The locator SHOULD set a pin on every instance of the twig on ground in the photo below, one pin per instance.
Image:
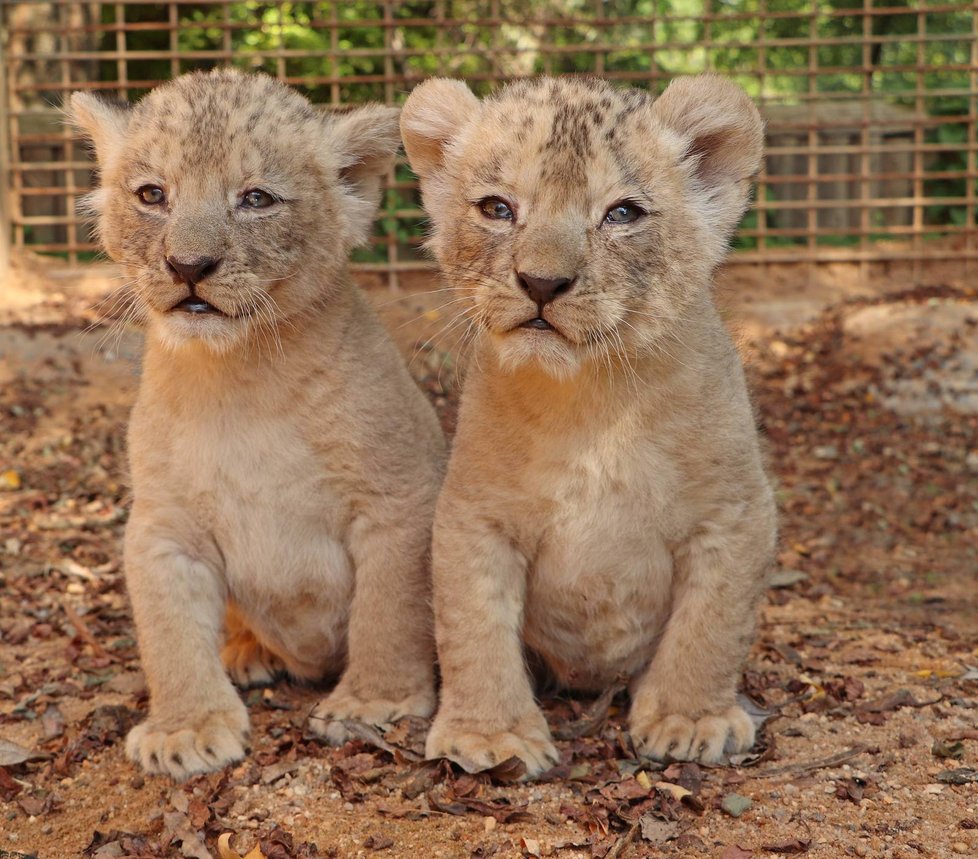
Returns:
(85, 633)
(811, 766)
(626, 838)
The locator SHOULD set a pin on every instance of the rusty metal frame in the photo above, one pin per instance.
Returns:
(860, 164)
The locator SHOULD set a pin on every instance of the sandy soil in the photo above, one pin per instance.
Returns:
(866, 380)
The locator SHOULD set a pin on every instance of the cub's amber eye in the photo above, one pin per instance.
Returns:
(496, 209)
(623, 213)
(257, 199)
(151, 195)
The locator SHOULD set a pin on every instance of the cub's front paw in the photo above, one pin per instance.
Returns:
(676, 737)
(203, 745)
(327, 718)
(474, 749)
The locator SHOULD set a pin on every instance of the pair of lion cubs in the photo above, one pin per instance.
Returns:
(604, 505)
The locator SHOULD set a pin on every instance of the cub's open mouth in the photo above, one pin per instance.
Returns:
(538, 323)
(195, 304)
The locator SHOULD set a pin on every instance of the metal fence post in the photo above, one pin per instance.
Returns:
(5, 182)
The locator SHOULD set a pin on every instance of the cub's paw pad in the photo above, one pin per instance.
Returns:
(474, 750)
(328, 716)
(209, 744)
(248, 662)
(704, 740)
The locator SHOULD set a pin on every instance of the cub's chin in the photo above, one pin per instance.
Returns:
(209, 327)
(526, 347)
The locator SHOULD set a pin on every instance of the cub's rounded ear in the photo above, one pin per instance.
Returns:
(103, 121)
(723, 136)
(364, 141)
(432, 116)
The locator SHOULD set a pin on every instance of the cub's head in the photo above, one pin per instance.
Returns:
(586, 220)
(230, 201)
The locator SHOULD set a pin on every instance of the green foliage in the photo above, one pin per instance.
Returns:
(341, 52)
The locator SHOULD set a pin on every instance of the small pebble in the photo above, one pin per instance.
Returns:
(959, 847)
(735, 805)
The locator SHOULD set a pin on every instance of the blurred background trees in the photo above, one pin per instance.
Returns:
(881, 96)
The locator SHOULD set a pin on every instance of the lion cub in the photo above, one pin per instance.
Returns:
(284, 464)
(605, 504)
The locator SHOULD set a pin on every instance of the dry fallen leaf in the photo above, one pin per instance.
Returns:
(176, 826)
(10, 480)
(376, 842)
(785, 578)
(52, 722)
(34, 806)
(9, 786)
(224, 850)
(657, 831)
(676, 791)
(12, 753)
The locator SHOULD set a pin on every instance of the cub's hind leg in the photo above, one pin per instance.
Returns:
(390, 664)
(249, 660)
(196, 722)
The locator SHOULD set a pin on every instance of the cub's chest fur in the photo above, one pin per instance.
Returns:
(598, 583)
(597, 599)
(586, 479)
(217, 468)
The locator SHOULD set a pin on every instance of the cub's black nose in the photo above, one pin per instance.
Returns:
(192, 271)
(543, 290)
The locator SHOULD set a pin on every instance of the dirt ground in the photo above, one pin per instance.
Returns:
(866, 662)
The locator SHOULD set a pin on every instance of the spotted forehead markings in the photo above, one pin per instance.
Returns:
(581, 110)
(223, 115)
(491, 172)
(585, 118)
(210, 99)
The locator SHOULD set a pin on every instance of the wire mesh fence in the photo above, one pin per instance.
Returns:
(871, 105)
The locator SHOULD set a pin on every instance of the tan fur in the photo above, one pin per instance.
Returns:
(605, 504)
(281, 456)
(249, 660)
